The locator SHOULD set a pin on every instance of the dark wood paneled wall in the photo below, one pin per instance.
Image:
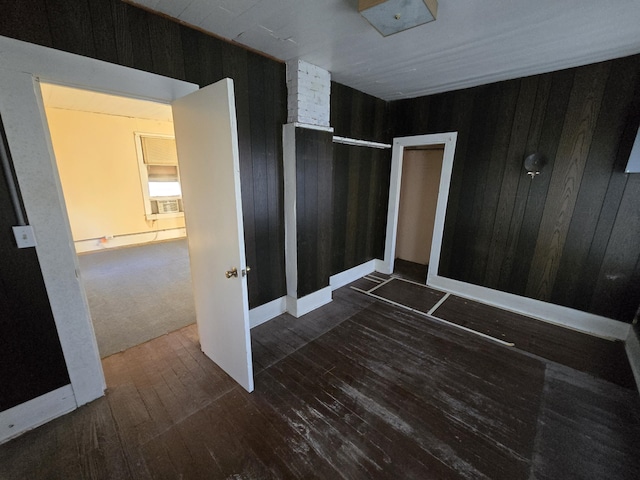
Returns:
(570, 236)
(360, 178)
(314, 161)
(31, 361)
(360, 196)
(116, 32)
(357, 115)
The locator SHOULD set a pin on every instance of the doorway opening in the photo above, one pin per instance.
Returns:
(210, 109)
(421, 170)
(415, 234)
(118, 168)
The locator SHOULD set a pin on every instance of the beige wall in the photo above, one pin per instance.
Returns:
(418, 199)
(98, 166)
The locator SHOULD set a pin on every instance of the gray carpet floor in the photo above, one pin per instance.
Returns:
(138, 293)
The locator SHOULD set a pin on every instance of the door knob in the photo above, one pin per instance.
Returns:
(245, 271)
(231, 273)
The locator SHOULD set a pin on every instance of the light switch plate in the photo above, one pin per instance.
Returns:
(25, 237)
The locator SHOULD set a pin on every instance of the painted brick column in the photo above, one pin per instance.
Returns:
(309, 93)
(308, 175)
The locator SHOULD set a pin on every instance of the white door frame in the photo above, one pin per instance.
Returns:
(21, 66)
(448, 140)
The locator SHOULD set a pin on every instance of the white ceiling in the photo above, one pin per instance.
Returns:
(69, 98)
(472, 42)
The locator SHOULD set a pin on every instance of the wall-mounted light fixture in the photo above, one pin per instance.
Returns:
(393, 16)
(533, 164)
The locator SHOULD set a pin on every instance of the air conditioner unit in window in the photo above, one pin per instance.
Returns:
(168, 206)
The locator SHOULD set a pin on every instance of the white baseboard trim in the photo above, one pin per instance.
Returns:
(344, 278)
(632, 346)
(301, 306)
(94, 244)
(548, 312)
(382, 266)
(32, 414)
(266, 312)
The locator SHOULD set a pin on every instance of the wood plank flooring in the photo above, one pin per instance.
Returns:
(604, 358)
(418, 297)
(598, 356)
(410, 270)
(358, 389)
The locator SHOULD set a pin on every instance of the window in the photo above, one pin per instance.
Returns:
(159, 174)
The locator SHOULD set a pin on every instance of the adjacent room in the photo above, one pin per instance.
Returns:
(118, 167)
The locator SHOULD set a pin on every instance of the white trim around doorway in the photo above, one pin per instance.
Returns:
(448, 141)
(36, 412)
(22, 65)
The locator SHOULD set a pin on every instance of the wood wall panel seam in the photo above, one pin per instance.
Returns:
(584, 106)
(525, 183)
(555, 111)
(599, 170)
(495, 167)
(513, 174)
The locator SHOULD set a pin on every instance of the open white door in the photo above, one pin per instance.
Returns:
(207, 141)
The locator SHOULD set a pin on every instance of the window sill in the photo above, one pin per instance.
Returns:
(160, 216)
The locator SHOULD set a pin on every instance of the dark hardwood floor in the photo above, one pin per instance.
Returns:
(597, 356)
(358, 389)
(413, 271)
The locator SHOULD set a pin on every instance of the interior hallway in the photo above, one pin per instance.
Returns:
(356, 389)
